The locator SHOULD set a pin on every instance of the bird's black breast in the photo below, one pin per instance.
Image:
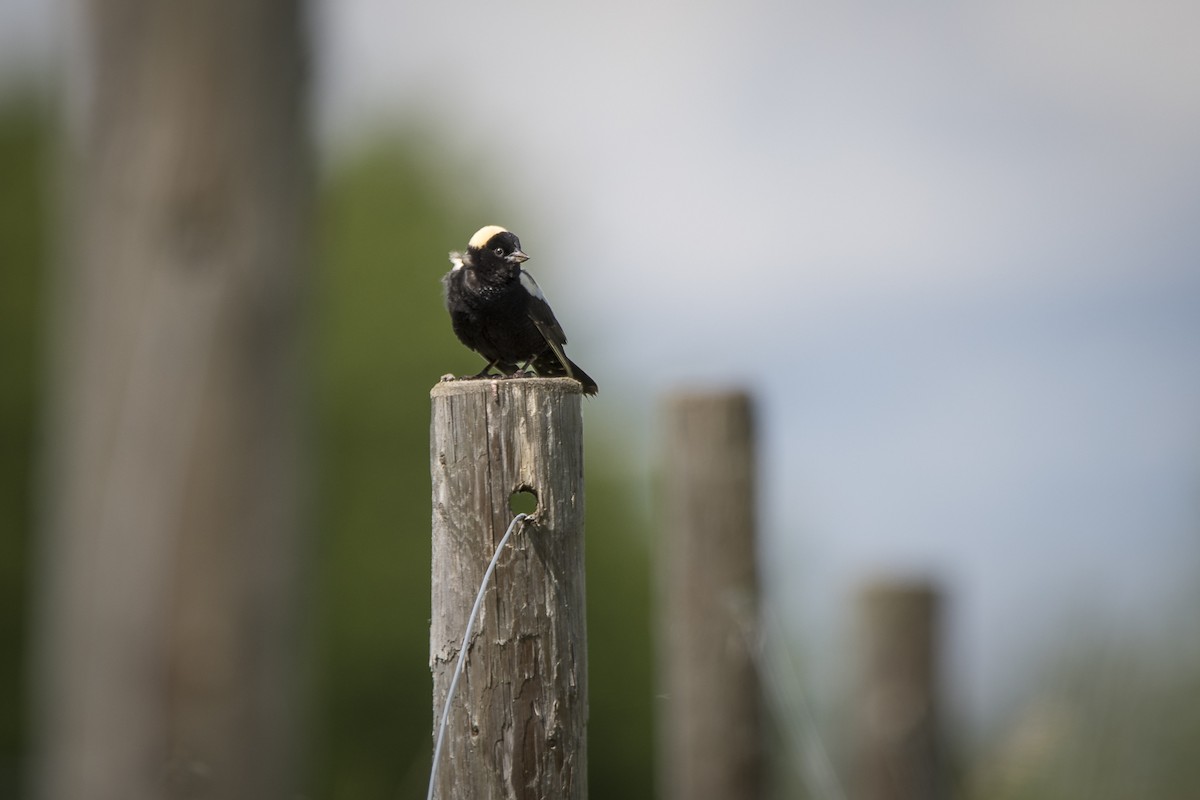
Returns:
(492, 318)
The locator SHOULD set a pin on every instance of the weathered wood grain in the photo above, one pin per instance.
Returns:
(518, 723)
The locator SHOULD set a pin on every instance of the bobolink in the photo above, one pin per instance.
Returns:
(497, 310)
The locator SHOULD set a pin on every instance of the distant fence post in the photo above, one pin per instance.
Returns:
(518, 720)
(897, 746)
(710, 731)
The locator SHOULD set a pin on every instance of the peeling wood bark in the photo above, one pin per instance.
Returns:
(518, 723)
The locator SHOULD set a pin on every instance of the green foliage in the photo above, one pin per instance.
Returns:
(1110, 718)
(620, 668)
(23, 246)
(383, 339)
(381, 342)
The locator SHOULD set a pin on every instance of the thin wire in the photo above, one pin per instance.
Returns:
(794, 717)
(462, 651)
(798, 722)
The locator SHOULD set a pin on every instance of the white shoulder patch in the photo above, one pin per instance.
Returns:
(456, 261)
(531, 285)
(485, 233)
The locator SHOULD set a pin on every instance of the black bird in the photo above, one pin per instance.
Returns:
(497, 310)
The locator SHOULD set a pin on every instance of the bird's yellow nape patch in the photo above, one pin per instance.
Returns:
(484, 234)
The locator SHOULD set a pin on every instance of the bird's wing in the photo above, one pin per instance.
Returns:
(544, 320)
(540, 313)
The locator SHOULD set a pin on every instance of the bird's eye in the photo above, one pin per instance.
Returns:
(499, 251)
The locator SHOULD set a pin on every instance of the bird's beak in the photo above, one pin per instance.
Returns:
(518, 256)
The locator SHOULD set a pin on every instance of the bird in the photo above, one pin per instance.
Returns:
(497, 309)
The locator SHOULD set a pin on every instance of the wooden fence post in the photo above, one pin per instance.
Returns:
(173, 542)
(710, 731)
(897, 745)
(519, 718)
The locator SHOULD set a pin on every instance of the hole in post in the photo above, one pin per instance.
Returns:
(523, 501)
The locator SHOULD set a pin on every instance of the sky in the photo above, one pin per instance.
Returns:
(952, 248)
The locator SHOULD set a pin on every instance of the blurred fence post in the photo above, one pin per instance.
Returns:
(710, 733)
(897, 746)
(518, 723)
(172, 489)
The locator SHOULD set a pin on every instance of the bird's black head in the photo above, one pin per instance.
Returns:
(493, 246)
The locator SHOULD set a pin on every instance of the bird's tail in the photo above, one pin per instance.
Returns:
(589, 385)
(549, 365)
